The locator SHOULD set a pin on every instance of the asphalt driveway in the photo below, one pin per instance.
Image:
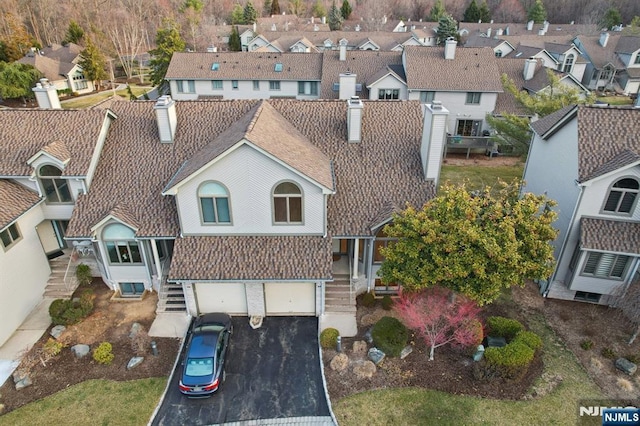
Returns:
(272, 373)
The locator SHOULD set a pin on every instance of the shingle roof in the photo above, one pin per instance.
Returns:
(267, 129)
(251, 258)
(383, 167)
(24, 133)
(610, 235)
(604, 134)
(628, 44)
(475, 69)
(624, 158)
(506, 102)
(540, 80)
(480, 41)
(545, 124)
(53, 70)
(520, 29)
(385, 40)
(58, 150)
(524, 52)
(248, 65)
(15, 199)
(598, 55)
(58, 52)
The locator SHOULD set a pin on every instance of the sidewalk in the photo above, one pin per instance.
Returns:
(31, 330)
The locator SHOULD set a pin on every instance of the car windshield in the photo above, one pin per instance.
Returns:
(199, 367)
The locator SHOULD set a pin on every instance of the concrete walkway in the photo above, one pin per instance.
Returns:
(31, 330)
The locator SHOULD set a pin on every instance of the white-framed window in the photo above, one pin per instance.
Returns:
(131, 289)
(121, 247)
(568, 63)
(214, 203)
(473, 97)
(256, 84)
(55, 189)
(427, 97)
(216, 84)
(388, 93)
(308, 88)
(382, 240)
(606, 265)
(10, 236)
(468, 127)
(274, 85)
(79, 81)
(498, 53)
(607, 73)
(186, 86)
(287, 203)
(622, 196)
(234, 84)
(585, 296)
(637, 59)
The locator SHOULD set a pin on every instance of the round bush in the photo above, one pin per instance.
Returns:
(57, 309)
(329, 338)
(530, 339)
(390, 336)
(503, 327)
(368, 300)
(387, 302)
(510, 361)
(103, 353)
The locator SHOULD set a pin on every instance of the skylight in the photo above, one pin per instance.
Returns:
(278, 67)
(215, 66)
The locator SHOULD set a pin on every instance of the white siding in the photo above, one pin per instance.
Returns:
(249, 176)
(433, 141)
(388, 82)
(24, 271)
(455, 102)
(245, 90)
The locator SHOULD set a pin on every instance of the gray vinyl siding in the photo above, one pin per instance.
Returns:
(249, 176)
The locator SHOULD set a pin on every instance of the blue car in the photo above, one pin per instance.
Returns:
(206, 350)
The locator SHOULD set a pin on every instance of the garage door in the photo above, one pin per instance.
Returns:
(290, 298)
(228, 297)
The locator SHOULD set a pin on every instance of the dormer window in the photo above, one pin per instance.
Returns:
(622, 196)
(568, 63)
(122, 249)
(287, 203)
(214, 203)
(56, 190)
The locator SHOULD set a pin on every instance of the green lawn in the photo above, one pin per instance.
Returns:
(476, 177)
(87, 101)
(412, 406)
(94, 402)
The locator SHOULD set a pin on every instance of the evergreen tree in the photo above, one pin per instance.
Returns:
(250, 13)
(437, 11)
(447, 28)
(74, 33)
(485, 13)
(472, 14)
(537, 13)
(611, 18)
(168, 40)
(266, 8)
(335, 18)
(93, 63)
(237, 15)
(318, 10)
(235, 44)
(275, 7)
(346, 9)
(16, 80)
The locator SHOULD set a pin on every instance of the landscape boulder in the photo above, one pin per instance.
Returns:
(376, 355)
(136, 327)
(57, 331)
(364, 370)
(80, 350)
(23, 382)
(134, 362)
(359, 347)
(339, 362)
(406, 351)
(626, 366)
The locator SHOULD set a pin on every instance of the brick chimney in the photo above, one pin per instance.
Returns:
(450, 48)
(166, 117)
(354, 119)
(46, 95)
(347, 86)
(529, 68)
(434, 138)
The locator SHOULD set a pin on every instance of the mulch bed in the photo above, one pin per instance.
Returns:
(65, 369)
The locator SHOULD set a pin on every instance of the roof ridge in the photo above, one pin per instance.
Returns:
(254, 119)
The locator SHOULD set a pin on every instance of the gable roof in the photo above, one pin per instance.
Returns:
(268, 130)
(52, 69)
(604, 137)
(394, 70)
(540, 80)
(56, 149)
(546, 123)
(610, 235)
(367, 174)
(15, 200)
(23, 133)
(628, 44)
(514, 69)
(476, 68)
(598, 55)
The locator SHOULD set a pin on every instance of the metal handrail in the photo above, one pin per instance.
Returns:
(351, 297)
(69, 285)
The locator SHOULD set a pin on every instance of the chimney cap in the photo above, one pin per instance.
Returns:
(164, 100)
(354, 100)
(436, 104)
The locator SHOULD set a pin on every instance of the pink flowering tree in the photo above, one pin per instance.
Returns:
(439, 316)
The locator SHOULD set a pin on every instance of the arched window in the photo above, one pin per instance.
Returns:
(568, 63)
(287, 203)
(120, 244)
(214, 203)
(56, 190)
(622, 196)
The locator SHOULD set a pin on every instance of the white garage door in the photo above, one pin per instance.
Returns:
(290, 298)
(217, 297)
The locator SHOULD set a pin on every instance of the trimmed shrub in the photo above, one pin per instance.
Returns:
(503, 327)
(103, 354)
(68, 312)
(329, 338)
(608, 353)
(387, 302)
(390, 336)
(530, 339)
(52, 347)
(83, 274)
(510, 361)
(586, 344)
(56, 310)
(368, 300)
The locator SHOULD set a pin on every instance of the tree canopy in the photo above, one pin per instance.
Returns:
(16, 41)
(74, 33)
(275, 7)
(235, 44)
(16, 80)
(472, 13)
(537, 13)
(437, 11)
(346, 9)
(474, 244)
(318, 10)
(447, 28)
(297, 7)
(611, 18)
(335, 18)
(168, 40)
(249, 13)
(93, 63)
(485, 13)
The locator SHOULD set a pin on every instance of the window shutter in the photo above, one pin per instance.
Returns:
(612, 201)
(605, 264)
(627, 202)
(619, 266)
(592, 262)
